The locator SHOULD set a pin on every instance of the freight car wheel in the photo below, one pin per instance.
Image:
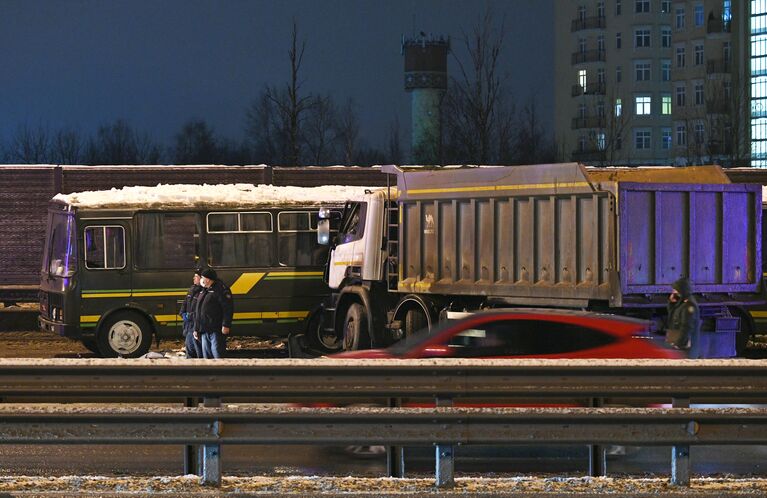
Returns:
(356, 328)
(125, 334)
(415, 320)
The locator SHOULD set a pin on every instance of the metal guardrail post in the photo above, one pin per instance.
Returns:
(445, 456)
(192, 452)
(395, 455)
(211, 456)
(597, 458)
(680, 454)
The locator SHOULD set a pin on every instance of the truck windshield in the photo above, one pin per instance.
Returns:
(60, 259)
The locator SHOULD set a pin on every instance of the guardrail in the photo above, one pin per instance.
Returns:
(444, 426)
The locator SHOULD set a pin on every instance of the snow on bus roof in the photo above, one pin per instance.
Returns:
(230, 195)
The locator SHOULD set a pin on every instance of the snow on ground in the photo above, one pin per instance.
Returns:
(317, 486)
(240, 195)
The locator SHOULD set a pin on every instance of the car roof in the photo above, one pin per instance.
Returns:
(562, 312)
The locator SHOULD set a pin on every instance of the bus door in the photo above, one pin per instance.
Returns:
(167, 251)
(104, 276)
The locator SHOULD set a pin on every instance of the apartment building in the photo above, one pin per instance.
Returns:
(650, 81)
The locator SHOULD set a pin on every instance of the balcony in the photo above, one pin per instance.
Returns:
(591, 89)
(719, 26)
(588, 122)
(588, 56)
(587, 23)
(718, 66)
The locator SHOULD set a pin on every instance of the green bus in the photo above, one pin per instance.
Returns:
(117, 264)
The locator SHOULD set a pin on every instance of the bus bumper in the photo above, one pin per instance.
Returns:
(58, 328)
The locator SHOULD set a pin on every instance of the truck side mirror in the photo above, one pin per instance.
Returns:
(323, 232)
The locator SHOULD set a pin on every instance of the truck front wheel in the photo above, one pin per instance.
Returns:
(356, 334)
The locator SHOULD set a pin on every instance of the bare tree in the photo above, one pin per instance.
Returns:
(472, 100)
(394, 149)
(68, 147)
(264, 131)
(532, 145)
(320, 130)
(348, 132)
(119, 143)
(30, 145)
(195, 144)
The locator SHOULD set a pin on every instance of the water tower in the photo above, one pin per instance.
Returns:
(426, 81)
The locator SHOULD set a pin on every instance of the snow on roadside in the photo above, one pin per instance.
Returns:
(329, 485)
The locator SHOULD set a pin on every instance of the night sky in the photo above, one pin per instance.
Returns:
(159, 63)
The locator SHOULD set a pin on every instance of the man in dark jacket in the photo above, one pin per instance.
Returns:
(213, 315)
(683, 330)
(192, 345)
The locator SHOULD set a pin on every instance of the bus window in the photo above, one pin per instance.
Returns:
(298, 239)
(240, 239)
(167, 240)
(104, 247)
(60, 257)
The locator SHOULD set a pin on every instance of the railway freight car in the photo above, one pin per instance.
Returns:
(555, 235)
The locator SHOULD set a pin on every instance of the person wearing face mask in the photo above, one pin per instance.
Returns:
(683, 330)
(213, 315)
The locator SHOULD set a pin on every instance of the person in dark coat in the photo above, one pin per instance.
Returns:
(683, 329)
(213, 316)
(192, 346)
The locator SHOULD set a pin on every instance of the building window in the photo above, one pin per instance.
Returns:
(618, 74)
(581, 143)
(601, 43)
(699, 94)
(601, 109)
(642, 139)
(665, 104)
(665, 6)
(679, 56)
(665, 37)
(680, 18)
(601, 141)
(617, 7)
(681, 135)
(581, 45)
(581, 110)
(727, 85)
(726, 52)
(642, 37)
(601, 75)
(642, 71)
(581, 12)
(601, 9)
(699, 55)
(700, 133)
(641, 6)
(643, 105)
(617, 40)
(665, 70)
(681, 93)
(698, 10)
(618, 108)
(665, 134)
(582, 78)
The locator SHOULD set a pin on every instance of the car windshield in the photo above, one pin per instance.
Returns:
(60, 258)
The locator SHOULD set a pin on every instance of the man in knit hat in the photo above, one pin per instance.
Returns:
(213, 315)
(683, 330)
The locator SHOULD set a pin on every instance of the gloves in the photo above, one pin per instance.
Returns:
(185, 316)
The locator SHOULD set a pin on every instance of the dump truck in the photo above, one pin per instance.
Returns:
(451, 240)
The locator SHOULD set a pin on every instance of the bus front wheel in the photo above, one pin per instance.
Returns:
(125, 334)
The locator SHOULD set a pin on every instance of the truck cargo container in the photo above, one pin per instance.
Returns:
(556, 235)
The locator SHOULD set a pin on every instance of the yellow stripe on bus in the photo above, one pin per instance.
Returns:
(167, 318)
(107, 294)
(759, 314)
(348, 263)
(258, 315)
(245, 282)
(157, 294)
(498, 187)
(295, 274)
(89, 318)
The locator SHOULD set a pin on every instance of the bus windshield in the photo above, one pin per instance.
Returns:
(61, 259)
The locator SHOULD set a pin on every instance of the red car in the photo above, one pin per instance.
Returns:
(530, 333)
